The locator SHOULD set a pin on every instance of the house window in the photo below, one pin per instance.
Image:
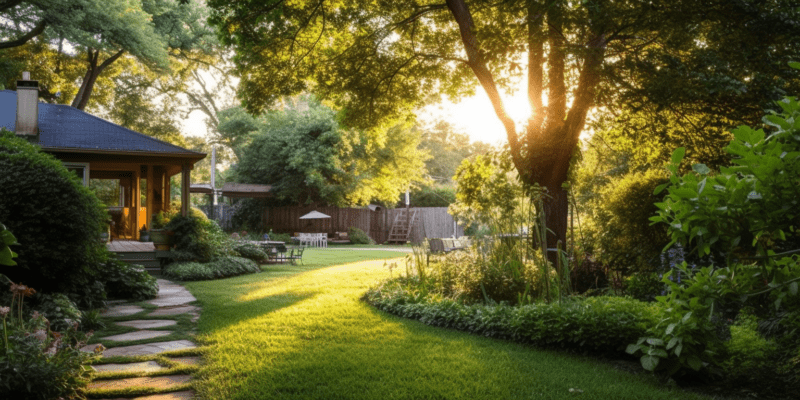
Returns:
(79, 169)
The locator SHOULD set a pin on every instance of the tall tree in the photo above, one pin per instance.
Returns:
(308, 158)
(379, 59)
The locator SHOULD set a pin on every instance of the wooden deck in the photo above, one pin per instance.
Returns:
(130, 246)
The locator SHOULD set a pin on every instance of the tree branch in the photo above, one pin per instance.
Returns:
(36, 31)
(476, 62)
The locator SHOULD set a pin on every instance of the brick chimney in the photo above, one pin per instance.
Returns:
(27, 107)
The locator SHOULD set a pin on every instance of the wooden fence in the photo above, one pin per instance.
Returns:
(432, 222)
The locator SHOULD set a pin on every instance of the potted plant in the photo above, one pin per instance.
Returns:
(144, 236)
(161, 238)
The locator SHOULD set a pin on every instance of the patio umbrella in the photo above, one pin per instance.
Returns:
(315, 215)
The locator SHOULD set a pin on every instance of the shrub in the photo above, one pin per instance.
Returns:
(745, 215)
(620, 232)
(35, 362)
(280, 237)
(58, 309)
(587, 275)
(357, 236)
(219, 268)
(597, 324)
(644, 286)
(129, 282)
(198, 239)
(250, 251)
(54, 217)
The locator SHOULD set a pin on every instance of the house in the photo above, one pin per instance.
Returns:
(98, 149)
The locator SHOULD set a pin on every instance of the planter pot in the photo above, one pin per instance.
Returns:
(104, 237)
(162, 239)
(144, 236)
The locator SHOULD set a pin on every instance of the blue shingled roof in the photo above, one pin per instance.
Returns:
(65, 127)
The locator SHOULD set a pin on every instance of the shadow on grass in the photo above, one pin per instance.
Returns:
(381, 356)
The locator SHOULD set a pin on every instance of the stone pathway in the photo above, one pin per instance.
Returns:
(172, 299)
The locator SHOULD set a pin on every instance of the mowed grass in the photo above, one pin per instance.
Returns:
(301, 332)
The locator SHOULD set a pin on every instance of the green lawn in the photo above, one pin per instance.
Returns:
(302, 333)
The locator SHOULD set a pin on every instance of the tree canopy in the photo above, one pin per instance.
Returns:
(379, 60)
(308, 158)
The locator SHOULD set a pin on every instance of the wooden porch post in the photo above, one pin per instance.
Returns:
(167, 193)
(135, 203)
(185, 183)
(151, 188)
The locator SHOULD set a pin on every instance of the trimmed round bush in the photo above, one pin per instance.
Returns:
(56, 220)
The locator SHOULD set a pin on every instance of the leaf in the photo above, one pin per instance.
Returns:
(793, 288)
(660, 188)
(632, 348)
(686, 317)
(678, 154)
(655, 342)
(678, 349)
(701, 169)
(649, 363)
(672, 342)
(701, 186)
(695, 363)
(670, 328)
(794, 64)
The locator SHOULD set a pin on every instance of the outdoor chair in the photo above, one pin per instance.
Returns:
(296, 255)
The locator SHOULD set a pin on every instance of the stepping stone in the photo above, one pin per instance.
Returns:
(155, 382)
(149, 348)
(146, 366)
(138, 335)
(147, 323)
(174, 310)
(185, 395)
(121, 311)
(187, 360)
(170, 294)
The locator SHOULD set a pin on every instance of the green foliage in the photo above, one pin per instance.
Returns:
(747, 350)
(306, 157)
(487, 191)
(7, 239)
(35, 362)
(129, 282)
(55, 219)
(250, 251)
(198, 239)
(596, 324)
(357, 236)
(59, 310)
(644, 286)
(221, 267)
(447, 149)
(739, 217)
(621, 234)
(429, 196)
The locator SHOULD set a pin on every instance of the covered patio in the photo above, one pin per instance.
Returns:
(131, 169)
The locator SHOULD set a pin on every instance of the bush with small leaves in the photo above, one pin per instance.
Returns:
(357, 236)
(129, 282)
(221, 267)
(250, 251)
(56, 220)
